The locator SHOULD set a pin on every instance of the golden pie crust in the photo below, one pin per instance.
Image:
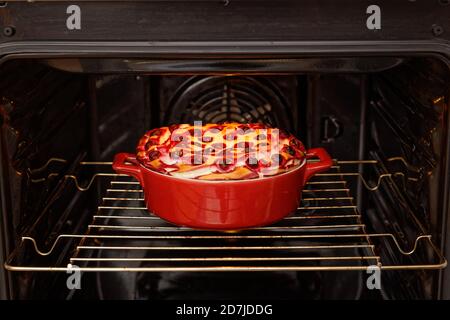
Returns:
(229, 151)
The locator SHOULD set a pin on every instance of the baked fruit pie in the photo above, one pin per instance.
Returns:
(221, 176)
(229, 151)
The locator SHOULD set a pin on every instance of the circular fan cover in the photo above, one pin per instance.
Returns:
(218, 99)
(229, 151)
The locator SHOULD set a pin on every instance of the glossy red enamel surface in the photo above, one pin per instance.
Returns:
(225, 205)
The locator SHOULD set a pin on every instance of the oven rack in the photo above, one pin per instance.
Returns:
(326, 233)
(86, 186)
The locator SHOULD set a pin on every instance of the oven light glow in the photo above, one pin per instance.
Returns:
(438, 100)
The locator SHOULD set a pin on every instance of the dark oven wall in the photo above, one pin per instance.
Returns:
(52, 121)
(44, 114)
(398, 117)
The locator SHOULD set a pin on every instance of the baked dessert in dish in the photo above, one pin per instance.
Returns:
(221, 176)
(228, 151)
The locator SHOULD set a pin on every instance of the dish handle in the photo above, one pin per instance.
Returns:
(126, 163)
(325, 162)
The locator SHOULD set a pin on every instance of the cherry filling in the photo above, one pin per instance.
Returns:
(252, 163)
(155, 132)
(219, 146)
(177, 154)
(244, 127)
(290, 150)
(230, 136)
(264, 163)
(261, 137)
(153, 155)
(149, 144)
(184, 143)
(278, 159)
(177, 138)
(283, 134)
(197, 158)
(173, 127)
(223, 167)
(217, 127)
(209, 151)
(247, 147)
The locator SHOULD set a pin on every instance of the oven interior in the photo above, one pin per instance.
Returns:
(386, 127)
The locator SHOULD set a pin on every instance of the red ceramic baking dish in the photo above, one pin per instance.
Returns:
(225, 205)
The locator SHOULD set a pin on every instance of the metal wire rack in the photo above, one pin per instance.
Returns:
(326, 233)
